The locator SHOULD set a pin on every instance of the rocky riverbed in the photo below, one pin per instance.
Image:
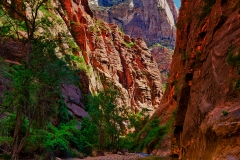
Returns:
(128, 156)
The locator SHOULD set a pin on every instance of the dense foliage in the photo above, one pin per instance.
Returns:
(148, 136)
(108, 117)
(234, 61)
(33, 93)
(206, 9)
(32, 96)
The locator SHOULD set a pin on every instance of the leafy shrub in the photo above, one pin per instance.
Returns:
(225, 113)
(206, 9)
(5, 156)
(129, 45)
(8, 124)
(234, 60)
(184, 56)
(175, 83)
(58, 139)
(61, 141)
(151, 135)
(88, 136)
(137, 123)
(148, 133)
(121, 30)
(108, 117)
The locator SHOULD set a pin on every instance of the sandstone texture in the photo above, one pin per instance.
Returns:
(11, 52)
(74, 100)
(108, 55)
(203, 86)
(153, 21)
(114, 56)
(163, 57)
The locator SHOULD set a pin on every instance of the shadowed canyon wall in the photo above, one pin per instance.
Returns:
(203, 86)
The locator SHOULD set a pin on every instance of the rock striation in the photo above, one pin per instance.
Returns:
(114, 56)
(163, 57)
(203, 85)
(153, 21)
(108, 55)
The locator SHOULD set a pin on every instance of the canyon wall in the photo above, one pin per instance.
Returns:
(105, 56)
(10, 52)
(163, 57)
(153, 21)
(203, 87)
(114, 56)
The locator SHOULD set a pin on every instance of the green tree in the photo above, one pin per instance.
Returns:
(88, 136)
(108, 117)
(34, 90)
(34, 86)
(136, 123)
(17, 19)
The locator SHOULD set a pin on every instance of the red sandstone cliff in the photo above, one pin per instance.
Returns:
(108, 55)
(117, 57)
(163, 57)
(152, 20)
(203, 86)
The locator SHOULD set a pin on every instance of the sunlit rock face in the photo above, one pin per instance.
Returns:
(113, 56)
(203, 92)
(108, 55)
(153, 21)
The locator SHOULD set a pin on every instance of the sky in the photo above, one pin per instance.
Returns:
(178, 3)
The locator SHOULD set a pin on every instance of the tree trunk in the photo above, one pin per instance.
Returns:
(101, 137)
(28, 52)
(16, 136)
(15, 157)
(17, 147)
(22, 142)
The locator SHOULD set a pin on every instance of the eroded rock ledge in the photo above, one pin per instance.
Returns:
(115, 56)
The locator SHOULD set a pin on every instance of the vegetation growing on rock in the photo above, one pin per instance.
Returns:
(37, 121)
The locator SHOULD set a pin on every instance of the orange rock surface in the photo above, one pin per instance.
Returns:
(125, 61)
(201, 85)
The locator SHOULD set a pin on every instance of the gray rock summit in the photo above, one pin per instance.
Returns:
(152, 20)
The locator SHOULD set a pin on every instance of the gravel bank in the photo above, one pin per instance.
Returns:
(129, 156)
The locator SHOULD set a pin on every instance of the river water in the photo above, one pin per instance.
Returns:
(157, 158)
